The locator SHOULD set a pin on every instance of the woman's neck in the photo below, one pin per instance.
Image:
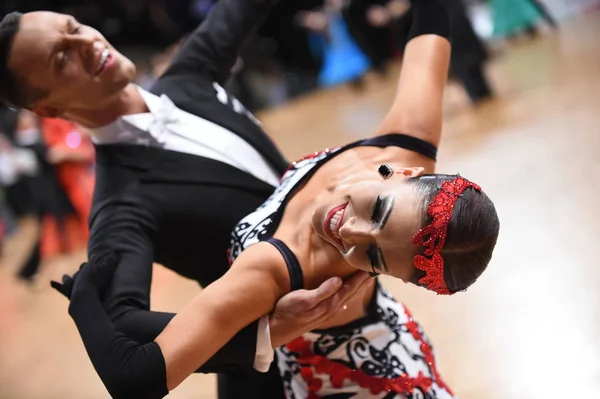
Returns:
(128, 101)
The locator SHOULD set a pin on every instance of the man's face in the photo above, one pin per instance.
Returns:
(73, 63)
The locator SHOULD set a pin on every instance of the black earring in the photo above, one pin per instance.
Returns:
(385, 171)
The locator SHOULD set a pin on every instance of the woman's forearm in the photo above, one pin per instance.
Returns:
(144, 326)
(244, 294)
(417, 108)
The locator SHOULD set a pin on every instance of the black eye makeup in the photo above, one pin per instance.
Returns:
(381, 213)
(382, 210)
(376, 215)
(373, 255)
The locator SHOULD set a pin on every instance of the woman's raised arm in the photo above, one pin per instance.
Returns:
(417, 108)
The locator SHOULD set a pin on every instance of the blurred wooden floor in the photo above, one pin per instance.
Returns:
(530, 328)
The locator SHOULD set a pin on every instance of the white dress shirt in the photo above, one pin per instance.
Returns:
(171, 128)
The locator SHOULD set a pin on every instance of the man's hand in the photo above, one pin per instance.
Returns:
(92, 275)
(303, 310)
(66, 286)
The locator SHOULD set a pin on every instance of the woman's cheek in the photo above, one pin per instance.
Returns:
(354, 260)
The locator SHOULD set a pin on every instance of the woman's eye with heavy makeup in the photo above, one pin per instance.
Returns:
(373, 256)
(376, 215)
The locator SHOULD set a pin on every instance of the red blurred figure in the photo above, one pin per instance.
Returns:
(71, 152)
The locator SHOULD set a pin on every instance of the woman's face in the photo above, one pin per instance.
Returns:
(372, 223)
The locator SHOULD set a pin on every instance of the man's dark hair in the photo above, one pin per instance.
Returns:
(14, 89)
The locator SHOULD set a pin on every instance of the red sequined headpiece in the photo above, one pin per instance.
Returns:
(433, 236)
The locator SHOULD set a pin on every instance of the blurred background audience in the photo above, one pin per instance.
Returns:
(304, 44)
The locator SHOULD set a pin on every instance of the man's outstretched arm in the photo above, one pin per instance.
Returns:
(212, 49)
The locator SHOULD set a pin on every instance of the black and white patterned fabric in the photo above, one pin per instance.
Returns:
(384, 355)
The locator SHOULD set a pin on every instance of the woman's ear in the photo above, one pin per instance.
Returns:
(411, 172)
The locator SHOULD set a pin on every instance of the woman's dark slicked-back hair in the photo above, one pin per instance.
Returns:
(472, 232)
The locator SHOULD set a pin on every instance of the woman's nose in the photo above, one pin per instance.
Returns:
(355, 231)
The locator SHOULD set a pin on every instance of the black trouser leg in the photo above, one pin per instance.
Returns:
(32, 264)
(474, 82)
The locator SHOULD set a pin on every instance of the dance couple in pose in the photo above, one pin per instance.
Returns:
(373, 206)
